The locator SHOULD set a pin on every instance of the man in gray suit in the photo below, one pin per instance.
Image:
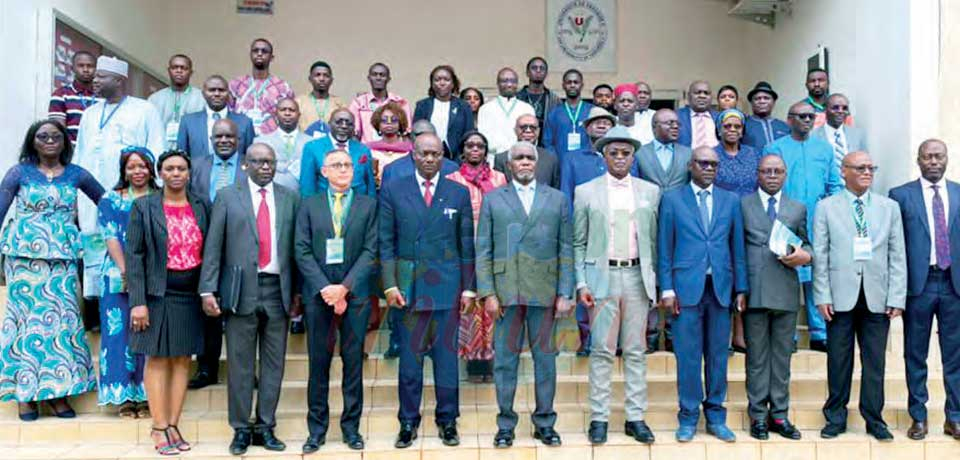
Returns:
(287, 142)
(664, 163)
(548, 166)
(844, 139)
(859, 285)
(251, 232)
(525, 279)
(771, 316)
(616, 279)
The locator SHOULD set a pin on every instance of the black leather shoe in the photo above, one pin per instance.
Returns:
(353, 441)
(952, 429)
(759, 430)
(597, 433)
(832, 430)
(639, 431)
(818, 345)
(547, 435)
(313, 443)
(785, 429)
(297, 327)
(405, 437)
(448, 434)
(268, 440)
(393, 352)
(880, 433)
(918, 430)
(202, 379)
(503, 439)
(241, 441)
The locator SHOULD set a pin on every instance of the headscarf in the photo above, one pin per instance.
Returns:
(723, 117)
(143, 151)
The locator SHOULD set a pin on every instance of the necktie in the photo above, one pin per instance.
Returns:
(665, 156)
(772, 208)
(860, 220)
(704, 211)
(337, 213)
(223, 176)
(839, 149)
(263, 230)
(701, 130)
(427, 194)
(941, 237)
(216, 116)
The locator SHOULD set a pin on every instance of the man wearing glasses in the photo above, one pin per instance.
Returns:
(860, 284)
(813, 176)
(312, 180)
(496, 118)
(548, 167)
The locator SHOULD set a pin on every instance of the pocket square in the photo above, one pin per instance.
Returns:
(449, 212)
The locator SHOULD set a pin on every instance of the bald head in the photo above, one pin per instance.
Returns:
(703, 166)
(699, 96)
(858, 171)
(428, 155)
(771, 173)
(421, 126)
(800, 117)
(223, 135)
(666, 126)
(527, 128)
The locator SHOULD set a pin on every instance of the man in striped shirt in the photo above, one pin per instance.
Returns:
(68, 103)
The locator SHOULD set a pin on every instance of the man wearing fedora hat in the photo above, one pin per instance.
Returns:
(615, 233)
(762, 128)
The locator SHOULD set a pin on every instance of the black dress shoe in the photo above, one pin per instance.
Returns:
(639, 431)
(880, 433)
(668, 345)
(583, 352)
(832, 430)
(597, 433)
(202, 379)
(503, 439)
(759, 430)
(393, 352)
(785, 429)
(353, 441)
(547, 435)
(952, 429)
(297, 327)
(448, 433)
(818, 345)
(241, 441)
(313, 443)
(405, 437)
(918, 430)
(268, 440)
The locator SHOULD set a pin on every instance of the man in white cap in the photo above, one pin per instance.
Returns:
(115, 122)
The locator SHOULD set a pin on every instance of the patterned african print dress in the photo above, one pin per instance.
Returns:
(121, 370)
(43, 350)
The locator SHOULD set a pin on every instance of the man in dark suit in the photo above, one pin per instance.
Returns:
(930, 207)
(251, 232)
(406, 166)
(196, 128)
(697, 126)
(548, 166)
(208, 175)
(525, 278)
(771, 316)
(336, 249)
(427, 257)
(702, 264)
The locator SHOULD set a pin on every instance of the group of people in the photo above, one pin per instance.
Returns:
(236, 208)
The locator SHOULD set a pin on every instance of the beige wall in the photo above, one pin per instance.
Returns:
(949, 82)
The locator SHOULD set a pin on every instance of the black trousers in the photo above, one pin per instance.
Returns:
(870, 330)
(209, 361)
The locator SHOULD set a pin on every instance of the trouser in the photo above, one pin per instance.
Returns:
(939, 300)
(769, 336)
(701, 341)
(323, 327)
(266, 326)
(430, 333)
(870, 330)
(209, 361)
(538, 324)
(620, 318)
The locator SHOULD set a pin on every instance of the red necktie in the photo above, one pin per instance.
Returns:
(427, 196)
(263, 230)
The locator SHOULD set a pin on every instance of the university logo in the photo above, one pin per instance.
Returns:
(581, 30)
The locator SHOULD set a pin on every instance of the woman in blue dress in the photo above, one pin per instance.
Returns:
(121, 371)
(43, 350)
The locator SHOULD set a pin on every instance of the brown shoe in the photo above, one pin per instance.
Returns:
(918, 430)
(952, 429)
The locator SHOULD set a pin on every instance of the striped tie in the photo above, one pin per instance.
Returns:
(701, 130)
(223, 177)
(839, 150)
(860, 221)
(940, 232)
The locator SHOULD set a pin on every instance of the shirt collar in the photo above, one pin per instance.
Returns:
(346, 195)
(851, 197)
(256, 188)
(941, 184)
(532, 186)
(614, 182)
(222, 112)
(657, 145)
(232, 160)
(697, 189)
(765, 197)
(420, 179)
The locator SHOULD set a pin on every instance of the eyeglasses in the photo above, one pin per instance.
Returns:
(256, 163)
(474, 145)
(343, 121)
(528, 127)
(618, 153)
(669, 123)
(735, 126)
(863, 169)
(48, 138)
(393, 119)
(803, 116)
(772, 172)
(837, 108)
(342, 166)
(707, 164)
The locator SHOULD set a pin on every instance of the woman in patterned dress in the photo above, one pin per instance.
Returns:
(121, 371)
(43, 350)
(476, 326)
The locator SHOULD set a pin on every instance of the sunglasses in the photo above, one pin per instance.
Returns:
(863, 169)
(47, 138)
(393, 119)
(772, 172)
(803, 116)
(707, 164)
(340, 166)
(528, 127)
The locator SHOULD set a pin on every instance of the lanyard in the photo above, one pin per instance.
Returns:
(105, 123)
(506, 112)
(573, 117)
(84, 101)
(257, 93)
(177, 102)
(321, 114)
(818, 107)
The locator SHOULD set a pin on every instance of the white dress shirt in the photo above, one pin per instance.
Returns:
(642, 129)
(925, 185)
(526, 194)
(440, 118)
(497, 119)
(421, 182)
(620, 202)
(273, 267)
(765, 197)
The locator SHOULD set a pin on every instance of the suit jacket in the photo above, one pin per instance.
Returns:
(200, 176)
(288, 172)
(459, 121)
(547, 172)
(591, 216)
(428, 253)
(525, 259)
(146, 248)
(686, 129)
(773, 285)
(916, 231)
(674, 177)
(315, 227)
(232, 241)
(312, 181)
(837, 278)
(686, 249)
(194, 139)
(406, 167)
(856, 138)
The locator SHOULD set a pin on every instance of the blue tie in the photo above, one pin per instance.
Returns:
(772, 208)
(216, 116)
(704, 212)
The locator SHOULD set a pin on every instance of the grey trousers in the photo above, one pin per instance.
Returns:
(537, 324)
(268, 326)
(769, 335)
(620, 316)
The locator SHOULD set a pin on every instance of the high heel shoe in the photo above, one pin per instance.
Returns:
(179, 442)
(67, 413)
(163, 447)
